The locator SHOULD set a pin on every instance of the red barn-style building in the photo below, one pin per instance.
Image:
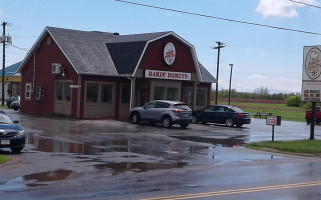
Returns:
(91, 74)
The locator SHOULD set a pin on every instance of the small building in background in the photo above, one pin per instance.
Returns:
(12, 80)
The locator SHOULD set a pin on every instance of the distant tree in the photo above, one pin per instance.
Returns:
(293, 101)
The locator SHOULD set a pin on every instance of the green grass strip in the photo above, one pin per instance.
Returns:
(3, 159)
(299, 146)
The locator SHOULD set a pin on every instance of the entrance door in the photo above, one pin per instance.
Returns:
(63, 98)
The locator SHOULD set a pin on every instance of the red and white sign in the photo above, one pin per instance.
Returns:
(169, 53)
(168, 75)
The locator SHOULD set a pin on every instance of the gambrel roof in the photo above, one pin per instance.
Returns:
(107, 54)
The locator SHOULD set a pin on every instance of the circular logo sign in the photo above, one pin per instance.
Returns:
(169, 53)
(312, 63)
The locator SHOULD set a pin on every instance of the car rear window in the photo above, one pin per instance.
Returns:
(182, 106)
(237, 110)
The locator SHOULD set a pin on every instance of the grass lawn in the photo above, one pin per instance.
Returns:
(300, 146)
(3, 159)
(287, 113)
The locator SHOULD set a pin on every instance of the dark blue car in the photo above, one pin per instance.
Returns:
(222, 114)
(11, 134)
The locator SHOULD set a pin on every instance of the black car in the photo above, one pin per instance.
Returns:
(222, 114)
(11, 134)
(11, 99)
(15, 105)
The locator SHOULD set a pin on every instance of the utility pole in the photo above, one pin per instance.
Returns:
(3, 58)
(229, 91)
(4, 39)
(219, 46)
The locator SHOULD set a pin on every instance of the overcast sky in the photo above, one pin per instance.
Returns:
(261, 56)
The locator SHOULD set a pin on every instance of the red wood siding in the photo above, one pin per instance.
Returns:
(46, 54)
(153, 57)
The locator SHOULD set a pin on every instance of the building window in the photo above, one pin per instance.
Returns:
(172, 94)
(106, 93)
(67, 91)
(59, 90)
(28, 91)
(63, 91)
(40, 93)
(99, 93)
(201, 97)
(159, 93)
(188, 96)
(92, 92)
(125, 94)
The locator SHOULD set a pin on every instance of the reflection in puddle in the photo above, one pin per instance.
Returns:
(138, 146)
(33, 180)
(118, 168)
(229, 142)
(60, 145)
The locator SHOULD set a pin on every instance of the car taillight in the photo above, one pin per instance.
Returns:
(239, 115)
(176, 111)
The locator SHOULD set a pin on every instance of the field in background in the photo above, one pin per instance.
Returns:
(276, 107)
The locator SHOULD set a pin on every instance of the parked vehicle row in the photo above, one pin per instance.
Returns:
(13, 102)
(169, 113)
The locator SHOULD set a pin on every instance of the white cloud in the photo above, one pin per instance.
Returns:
(257, 76)
(281, 8)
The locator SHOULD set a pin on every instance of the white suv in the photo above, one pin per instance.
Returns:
(163, 111)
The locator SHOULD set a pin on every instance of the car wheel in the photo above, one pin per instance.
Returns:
(16, 149)
(194, 119)
(183, 125)
(167, 122)
(135, 118)
(229, 122)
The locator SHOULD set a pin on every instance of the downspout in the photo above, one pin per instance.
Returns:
(34, 71)
(132, 91)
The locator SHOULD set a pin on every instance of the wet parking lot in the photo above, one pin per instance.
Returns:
(61, 150)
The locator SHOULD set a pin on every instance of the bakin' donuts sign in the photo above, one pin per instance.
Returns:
(313, 63)
(169, 53)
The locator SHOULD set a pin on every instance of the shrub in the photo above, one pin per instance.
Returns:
(307, 105)
(293, 101)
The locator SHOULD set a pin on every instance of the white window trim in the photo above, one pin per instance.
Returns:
(28, 97)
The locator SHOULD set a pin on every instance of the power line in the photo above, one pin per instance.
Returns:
(219, 18)
(306, 4)
(20, 48)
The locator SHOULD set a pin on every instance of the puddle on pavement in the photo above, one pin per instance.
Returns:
(138, 146)
(122, 167)
(36, 179)
(229, 142)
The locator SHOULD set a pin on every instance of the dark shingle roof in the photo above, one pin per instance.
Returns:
(126, 55)
(86, 50)
(206, 75)
(105, 54)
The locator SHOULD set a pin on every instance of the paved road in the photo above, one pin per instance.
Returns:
(107, 159)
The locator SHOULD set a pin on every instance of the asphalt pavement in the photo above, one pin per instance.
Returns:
(63, 154)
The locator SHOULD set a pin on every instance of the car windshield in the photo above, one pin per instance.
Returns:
(5, 119)
(182, 106)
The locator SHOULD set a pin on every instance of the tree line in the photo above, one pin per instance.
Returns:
(258, 93)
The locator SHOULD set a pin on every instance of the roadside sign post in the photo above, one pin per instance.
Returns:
(311, 80)
(273, 121)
